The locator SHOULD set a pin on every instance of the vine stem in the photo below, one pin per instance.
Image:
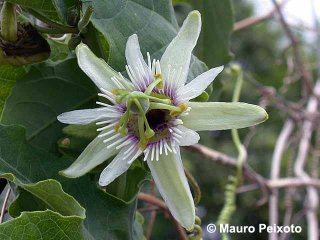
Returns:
(231, 188)
(279, 150)
(194, 185)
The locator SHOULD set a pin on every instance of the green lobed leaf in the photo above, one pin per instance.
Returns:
(46, 91)
(51, 195)
(153, 21)
(59, 50)
(106, 216)
(217, 25)
(66, 9)
(53, 9)
(8, 76)
(81, 131)
(46, 8)
(42, 225)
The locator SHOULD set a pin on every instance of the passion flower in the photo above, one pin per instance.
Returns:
(151, 116)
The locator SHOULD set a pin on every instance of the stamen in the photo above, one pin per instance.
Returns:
(140, 75)
(128, 141)
(103, 128)
(111, 138)
(167, 79)
(108, 95)
(173, 147)
(157, 151)
(146, 153)
(129, 149)
(117, 82)
(117, 142)
(135, 156)
(158, 68)
(161, 145)
(152, 152)
(106, 134)
(105, 122)
(142, 70)
(149, 62)
(106, 127)
(135, 77)
(103, 104)
(167, 147)
(125, 82)
(132, 77)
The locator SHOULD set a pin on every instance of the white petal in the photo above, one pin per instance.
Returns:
(198, 85)
(135, 60)
(189, 137)
(178, 54)
(222, 116)
(97, 69)
(118, 165)
(84, 116)
(93, 155)
(168, 174)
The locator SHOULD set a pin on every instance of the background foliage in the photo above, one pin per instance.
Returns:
(34, 146)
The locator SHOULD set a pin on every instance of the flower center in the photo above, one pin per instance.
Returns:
(147, 113)
(156, 118)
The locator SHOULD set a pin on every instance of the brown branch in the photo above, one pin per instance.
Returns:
(264, 184)
(225, 160)
(279, 149)
(281, 183)
(232, 162)
(312, 194)
(157, 202)
(148, 209)
(306, 76)
(293, 182)
(248, 22)
(277, 100)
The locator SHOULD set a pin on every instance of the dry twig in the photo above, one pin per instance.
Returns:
(248, 22)
(312, 194)
(305, 75)
(280, 147)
